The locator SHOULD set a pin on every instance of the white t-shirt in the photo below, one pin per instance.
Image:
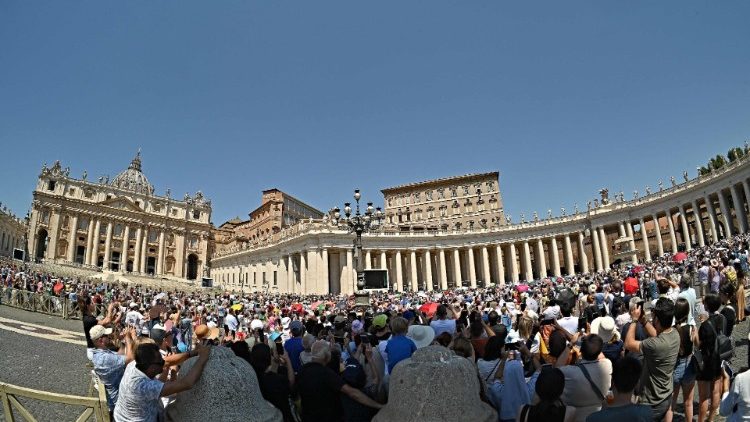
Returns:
(444, 326)
(134, 319)
(231, 322)
(569, 323)
(138, 399)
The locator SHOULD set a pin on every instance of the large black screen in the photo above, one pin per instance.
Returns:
(376, 279)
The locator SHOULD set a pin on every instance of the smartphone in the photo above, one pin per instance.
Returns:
(582, 323)
(279, 348)
(728, 369)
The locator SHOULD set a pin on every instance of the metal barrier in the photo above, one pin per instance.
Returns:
(43, 303)
(94, 406)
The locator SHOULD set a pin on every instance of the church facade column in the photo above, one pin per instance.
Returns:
(698, 224)
(659, 240)
(107, 248)
(726, 216)
(72, 238)
(540, 259)
(685, 228)
(712, 219)
(53, 233)
(644, 238)
(429, 282)
(368, 260)
(126, 249)
(486, 274)
(672, 235)
(160, 256)
(512, 256)
(399, 272)
(413, 282)
(457, 276)
(629, 231)
(303, 272)
(528, 272)
(500, 265)
(555, 257)
(597, 249)
(443, 270)
(605, 246)
(739, 209)
(582, 253)
(383, 261)
(569, 264)
(89, 242)
(290, 284)
(472, 267)
(323, 282)
(144, 250)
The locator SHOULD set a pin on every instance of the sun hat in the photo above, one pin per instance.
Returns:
(421, 335)
(98, 331)
(203, 332)
(604, 327)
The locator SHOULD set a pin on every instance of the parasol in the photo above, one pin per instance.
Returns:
(679, 257)
(429, 308)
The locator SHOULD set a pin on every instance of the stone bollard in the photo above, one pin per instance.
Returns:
(435, 385)
(227, 391)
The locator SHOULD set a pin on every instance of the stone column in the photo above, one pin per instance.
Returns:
(144, 250)
(528, 272)
(137, 250)
(429, 284)
(472, 268)
(486, 275)
(698, 224)
(72, 238)
(125, 249)
(303, 273)
(89, 242)
(739, 208)
(457, 277)
(746, 190)
(605, 246)
(659, 241)
(399, 272)
(629, 231)
(712, 219)
(685, 228)
(414, 283)
(582, 253)
(324, 283)
(500, 265)
(569, 264)
(383, 261)
(555, 257)
(644, 238)
(672, 235)
(541, 260)
(621, 227)
(368, 260)
(443, 270)
(513, 263)
(597, 250)
(726, 216)
(160, 256)
(290, 283)
(108, 248)
(53, 233)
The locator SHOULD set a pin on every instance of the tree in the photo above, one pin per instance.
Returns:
(735, 154)
(717, 162)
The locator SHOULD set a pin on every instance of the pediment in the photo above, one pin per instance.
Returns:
(121, 204)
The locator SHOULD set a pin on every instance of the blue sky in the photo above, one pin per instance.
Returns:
(317, 98)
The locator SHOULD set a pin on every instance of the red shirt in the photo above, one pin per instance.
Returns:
(630, 286)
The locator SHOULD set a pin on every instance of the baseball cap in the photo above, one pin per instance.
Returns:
(379, 321)
(409, 314)
(296, 327)
(98, 331)
(354, 374)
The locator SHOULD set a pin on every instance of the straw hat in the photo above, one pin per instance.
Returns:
(604, 327)
(204, 333)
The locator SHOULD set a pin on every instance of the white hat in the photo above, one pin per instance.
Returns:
(133, 305)
(98, 331)
(604, 327)
(285, 322)
(421, 335)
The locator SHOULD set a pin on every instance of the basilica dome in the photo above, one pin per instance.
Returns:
(133, 179)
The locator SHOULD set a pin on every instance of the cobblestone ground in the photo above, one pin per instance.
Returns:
(58, 366)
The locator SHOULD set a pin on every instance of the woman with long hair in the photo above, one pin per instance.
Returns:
(550, 408)
(684, 371)
(709, 373)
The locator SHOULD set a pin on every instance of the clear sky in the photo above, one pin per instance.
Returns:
(318, 98)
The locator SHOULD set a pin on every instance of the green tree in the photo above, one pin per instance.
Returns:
(717, 162)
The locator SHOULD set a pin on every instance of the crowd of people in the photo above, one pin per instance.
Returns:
(629, 343)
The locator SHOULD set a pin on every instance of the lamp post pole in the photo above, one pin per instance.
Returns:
(359, 223)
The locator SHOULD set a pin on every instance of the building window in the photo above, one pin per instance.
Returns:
(275, 278)
(255, 278)
(72, 191)
(51, 185)
(196, 215)
(88, 193)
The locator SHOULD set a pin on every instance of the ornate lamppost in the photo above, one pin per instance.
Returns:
(359, 223)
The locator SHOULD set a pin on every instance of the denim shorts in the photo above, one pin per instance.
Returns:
(684, 371)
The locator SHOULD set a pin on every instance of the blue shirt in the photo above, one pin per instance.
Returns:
(399, 347)
(109, 367)
(293, 348)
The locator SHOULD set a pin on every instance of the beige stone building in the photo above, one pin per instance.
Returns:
(317, 257)
(12, 232)
(277, 210)
(119, 225)
(466, 202)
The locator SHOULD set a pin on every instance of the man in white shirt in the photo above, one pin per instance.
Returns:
(134, 318)
(230, 323)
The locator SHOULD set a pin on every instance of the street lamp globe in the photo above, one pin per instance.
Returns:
(357, 195)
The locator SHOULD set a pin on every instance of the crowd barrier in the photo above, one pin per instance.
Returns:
(94, 406)
(43, 303)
